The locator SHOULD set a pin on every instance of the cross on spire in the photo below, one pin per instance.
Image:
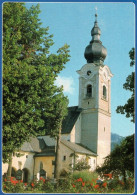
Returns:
(96, 9)
(96, 15)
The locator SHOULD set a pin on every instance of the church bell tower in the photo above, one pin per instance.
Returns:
(95, 97)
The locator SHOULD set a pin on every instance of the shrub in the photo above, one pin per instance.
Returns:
(81, 165)
(13, 185)
(64, 173)
(86, 175)
(78, 182)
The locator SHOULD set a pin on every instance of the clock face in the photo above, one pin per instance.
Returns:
(88, 72)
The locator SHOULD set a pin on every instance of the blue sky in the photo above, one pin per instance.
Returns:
(71, 23)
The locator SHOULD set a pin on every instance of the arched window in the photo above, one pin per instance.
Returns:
(41, 166)
(89, 91)
(104, 92)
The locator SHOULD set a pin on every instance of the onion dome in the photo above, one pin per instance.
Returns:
(95, 52)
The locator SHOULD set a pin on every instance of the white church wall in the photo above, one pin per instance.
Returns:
(4, 168)
(105, 80)
(66, 157)
(104, 137)
(92, 163)
(24, 161)
(84, 81)
(80, 157)
(78, 130)
(85, 101)
(75, 135)
(89, 130)
(104, 103)
(91, 160)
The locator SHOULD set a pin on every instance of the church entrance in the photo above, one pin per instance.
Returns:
(25, 175)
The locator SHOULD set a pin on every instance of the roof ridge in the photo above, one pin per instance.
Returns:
(69, 145)
(85, 147)
(70, 120)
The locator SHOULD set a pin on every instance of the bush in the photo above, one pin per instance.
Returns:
(78, 182)
(81, 165)
(86, 175)
(88, 182)
(13, 185)
(64, 173)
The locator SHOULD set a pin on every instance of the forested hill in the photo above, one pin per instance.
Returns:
(115, 139)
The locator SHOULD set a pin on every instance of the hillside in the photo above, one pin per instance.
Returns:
(115, 139)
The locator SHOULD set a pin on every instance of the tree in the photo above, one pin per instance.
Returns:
(29, 72)
(128, 108)
(60, 112)
(121, 159)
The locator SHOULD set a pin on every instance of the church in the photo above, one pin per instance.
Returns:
(86, 130)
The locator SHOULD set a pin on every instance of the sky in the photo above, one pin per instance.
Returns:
(71, 23)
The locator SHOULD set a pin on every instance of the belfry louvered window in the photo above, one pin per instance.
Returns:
(89, 90)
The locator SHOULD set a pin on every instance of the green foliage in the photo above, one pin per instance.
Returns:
(59, 111)
(132, 56)
(19, 154)
(85, 175)
(29, 73)
(13, 185)
(81, 165)
(119, 185)
(65, 185)
(43, 185)
(70, 184)
(121, 160)
(128, 108)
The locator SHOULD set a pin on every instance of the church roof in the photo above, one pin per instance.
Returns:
(78, 148)
(49, 151)
(42, 147)
(49, 141)
(26, 147)
(70, 120)
(34, 145)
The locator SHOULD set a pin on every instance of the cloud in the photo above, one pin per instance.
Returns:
(67, 83)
